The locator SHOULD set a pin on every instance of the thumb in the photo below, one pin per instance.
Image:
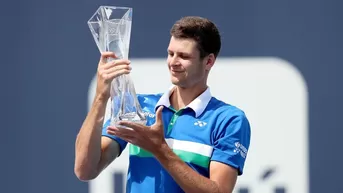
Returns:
(159, 115)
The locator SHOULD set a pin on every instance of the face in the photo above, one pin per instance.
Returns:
(185, 65)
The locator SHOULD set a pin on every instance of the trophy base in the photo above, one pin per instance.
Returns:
(130, 117)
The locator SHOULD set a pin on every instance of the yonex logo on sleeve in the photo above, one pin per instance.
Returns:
(240, 149)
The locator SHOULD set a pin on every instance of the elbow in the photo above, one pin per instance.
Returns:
(84, 175)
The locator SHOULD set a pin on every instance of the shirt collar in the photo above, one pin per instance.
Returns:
(198, 105)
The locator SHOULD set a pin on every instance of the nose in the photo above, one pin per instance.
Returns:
(174, 61)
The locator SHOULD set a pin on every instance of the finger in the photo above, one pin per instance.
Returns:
(117, 73)
(159, 115)
(127, 138)
(132, 125)
(118, 134)
(105, 55)
(117, 68)
(122, 131)
(116, 63)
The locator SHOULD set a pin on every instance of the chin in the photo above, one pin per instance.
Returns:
(177, 82)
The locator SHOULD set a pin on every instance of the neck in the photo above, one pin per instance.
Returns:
(181, 97)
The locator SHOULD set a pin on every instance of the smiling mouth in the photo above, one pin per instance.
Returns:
(175, 71)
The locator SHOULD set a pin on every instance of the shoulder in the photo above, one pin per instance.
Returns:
(225, 111)
(149, 98)
(148, 101)
(149, 95)
(228, 118)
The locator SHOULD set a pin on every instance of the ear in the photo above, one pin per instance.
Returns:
(210, 59)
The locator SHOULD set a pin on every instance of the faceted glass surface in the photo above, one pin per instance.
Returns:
(111, 29)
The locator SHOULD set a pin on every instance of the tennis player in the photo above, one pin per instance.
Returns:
(193, 142)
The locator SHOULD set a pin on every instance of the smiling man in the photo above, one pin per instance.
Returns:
(194, 143)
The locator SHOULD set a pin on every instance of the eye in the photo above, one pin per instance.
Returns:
(171, 54)
(184, 56)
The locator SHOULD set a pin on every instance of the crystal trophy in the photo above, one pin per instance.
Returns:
(111, 29)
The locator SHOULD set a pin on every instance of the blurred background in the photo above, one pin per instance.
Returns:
(49, 58)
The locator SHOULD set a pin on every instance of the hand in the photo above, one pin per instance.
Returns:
(107, 71)
(149, 138)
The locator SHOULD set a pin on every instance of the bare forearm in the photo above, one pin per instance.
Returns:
(189, 180)
(88, 142)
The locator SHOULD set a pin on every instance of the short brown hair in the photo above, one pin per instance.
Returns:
(202, 30)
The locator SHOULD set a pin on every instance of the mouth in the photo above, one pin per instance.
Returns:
(176, 71)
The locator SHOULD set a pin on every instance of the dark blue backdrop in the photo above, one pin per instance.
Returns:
(48, 58)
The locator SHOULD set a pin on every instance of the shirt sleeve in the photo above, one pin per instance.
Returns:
(231, 140)
(122, 143)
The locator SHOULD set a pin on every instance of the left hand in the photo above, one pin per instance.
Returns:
(150, 138)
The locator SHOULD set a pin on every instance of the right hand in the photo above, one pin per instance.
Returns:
(107, 71)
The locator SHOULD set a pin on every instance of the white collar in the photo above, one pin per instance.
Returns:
(198, 104)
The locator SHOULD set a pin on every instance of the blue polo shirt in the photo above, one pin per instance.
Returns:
(206, 130)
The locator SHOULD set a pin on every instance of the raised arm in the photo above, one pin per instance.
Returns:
(93, 153)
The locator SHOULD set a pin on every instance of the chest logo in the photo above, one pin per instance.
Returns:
(200, 123)
(148, 114)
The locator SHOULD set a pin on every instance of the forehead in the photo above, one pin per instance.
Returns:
(182, 45)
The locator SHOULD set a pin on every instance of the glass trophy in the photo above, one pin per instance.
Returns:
(111, 29)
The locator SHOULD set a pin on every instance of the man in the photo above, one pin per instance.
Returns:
(195, 142)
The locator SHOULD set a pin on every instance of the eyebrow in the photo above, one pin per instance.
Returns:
(183, 53)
